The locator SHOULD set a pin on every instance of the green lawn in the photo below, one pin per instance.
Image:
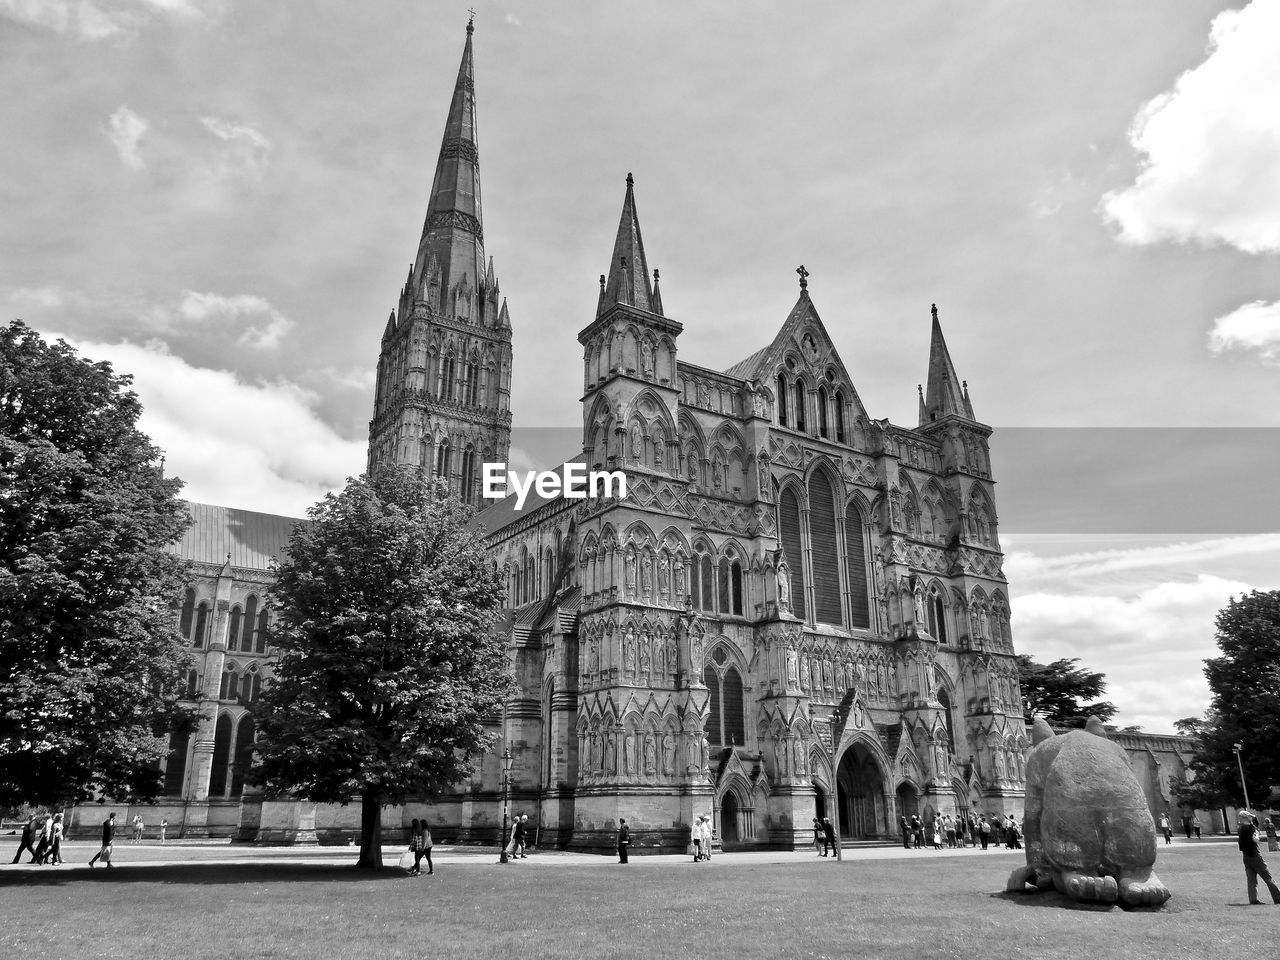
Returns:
(303, 904)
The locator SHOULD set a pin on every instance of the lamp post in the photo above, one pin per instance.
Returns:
(1237, 747)
(506, 781)
(834, 719)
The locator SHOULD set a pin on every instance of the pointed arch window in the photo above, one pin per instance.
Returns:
(703, 580)
(839, 417)
(263, 631)
(800, 405)
(245, 734)
(726, 725)
(221, 757)
(233, 628)
(250, 620)
(937, 616)
(444, 461)
(446, 379)
(729, 583)
(782, 400)
(823, 429)
(193, 684)
(188, 613)
(468, 475)
(824, 537)
(855, 557)
(175, 766)
(202, 625)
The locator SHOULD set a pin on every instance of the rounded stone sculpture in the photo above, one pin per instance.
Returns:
(1088, 831)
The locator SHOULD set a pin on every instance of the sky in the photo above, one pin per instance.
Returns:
(222, 198)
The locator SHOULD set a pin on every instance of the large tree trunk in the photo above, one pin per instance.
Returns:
(370, 832)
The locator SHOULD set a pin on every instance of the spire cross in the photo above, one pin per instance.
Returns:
(934, 310)
(804, 277)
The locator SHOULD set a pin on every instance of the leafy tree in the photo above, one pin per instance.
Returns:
(385, 600)
(1245, 705)
(1062, 692)
(91, 667)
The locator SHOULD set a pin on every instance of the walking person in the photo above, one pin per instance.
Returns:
(518, 835)
(108, 835)
(1166, 829)
(137, 828)
(1195, 825)
(164, 825)
(917, 832)
(906, 833)
(43, 840)
(937, 832)
(984, 832)
(1186, 826)
(28, 840)
(829, 834)
(624, 840)
(1270, 829)
(424, 845)
(819, 838)
(1254, 865)
(415, 847)
(524, 837)
(949, 829)
(55, 841)
(695, 838)
(706, 836)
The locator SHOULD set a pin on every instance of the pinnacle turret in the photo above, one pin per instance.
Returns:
(943, 396)
(628, 280)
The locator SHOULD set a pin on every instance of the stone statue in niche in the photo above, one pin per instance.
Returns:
(629, 654)
(793, 678)
(664, 576)
(668, 754)
(629, 565)
(799, 755)
(678, 574)
(782, 757)
(920, 617)
(594, 754)
(646, 359)
(629, 753)
(644, 656)
(646, 576)
(593, 655)
(659, 454)
(671, 655)
(695, 654)
(704, 395)
(650, 755)
(784, 587)
(1075, 783)
(610, 755)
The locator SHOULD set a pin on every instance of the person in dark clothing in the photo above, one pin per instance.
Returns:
(906, 833)
(108, 835)
(517, 838)
(1254, 865)
(829, 835)
(917, 831)
(28, 840)
(819, 837)
(624, 840)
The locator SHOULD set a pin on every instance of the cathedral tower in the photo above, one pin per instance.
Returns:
(442, 401)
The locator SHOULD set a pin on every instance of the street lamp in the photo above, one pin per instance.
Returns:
(1237, 747)
(506, 781)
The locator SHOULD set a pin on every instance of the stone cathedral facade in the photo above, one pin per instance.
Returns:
(795, 610)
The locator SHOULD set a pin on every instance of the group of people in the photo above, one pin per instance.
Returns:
(42, 838)
(960, 831)
(824, 836)
(420, 846)
(519, 838)
(700, 838)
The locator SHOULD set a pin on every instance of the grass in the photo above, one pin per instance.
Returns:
(219, 902)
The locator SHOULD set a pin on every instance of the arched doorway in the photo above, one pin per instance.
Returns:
(729, 818)
(860, 787)
(819, 802)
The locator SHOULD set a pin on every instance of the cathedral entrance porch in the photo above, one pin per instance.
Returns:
(860, 789)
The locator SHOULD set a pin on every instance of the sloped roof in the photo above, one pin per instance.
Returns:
(251, 540)
(748, 368)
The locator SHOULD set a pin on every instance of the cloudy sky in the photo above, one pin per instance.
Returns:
(222, 197)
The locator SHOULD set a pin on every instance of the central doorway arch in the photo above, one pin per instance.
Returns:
(860, 788)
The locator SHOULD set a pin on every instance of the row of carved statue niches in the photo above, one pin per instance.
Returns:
(827, 678)
(646, 660)
(790, 756)
(723, 399)
(612, 752)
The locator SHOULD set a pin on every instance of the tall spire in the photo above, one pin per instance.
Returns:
(628, 280)
(453, 233)
(943, 395)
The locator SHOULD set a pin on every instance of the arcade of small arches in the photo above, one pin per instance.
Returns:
(979, 622)
(820, 408)
(626, 348)
(248, 626)
(457, 371)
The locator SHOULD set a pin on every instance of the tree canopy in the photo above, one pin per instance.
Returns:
(1062, 692)
(388, 668)
(91, 667)
(1244, 683)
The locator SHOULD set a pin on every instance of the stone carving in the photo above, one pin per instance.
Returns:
(664, 576)
(646, 359)
(637, 443)
(644, 656)
(650, 755)
(679, 578)
(668, 754)
(1088, 831)
(646, 576)
(784, 588)
(610, 755)
(630, 571)
(629, 754)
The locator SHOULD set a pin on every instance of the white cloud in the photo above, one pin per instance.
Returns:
(48, 298)
(1150, 644)
(264, 325)
(125, 130)
(91, 20)
(1254, 326)
(259, 446)
(352, 378)
(247, 151)
(512, 19)
(1210, 146)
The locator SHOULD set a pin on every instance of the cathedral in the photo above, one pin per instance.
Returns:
(794, 610)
